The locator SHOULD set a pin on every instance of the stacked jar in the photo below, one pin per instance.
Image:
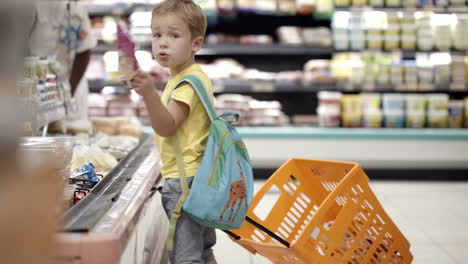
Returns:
(437, 110)
(392, 34)
(372, 115)
(357, 32)
(375, 23)
(408, 34)
(442, 32)
(460, 33)
(394, 110)
(424, 34)
(329, 109)
(458, 70)
(416, 111)
(351, 110)
(455, 113)
(340, 26)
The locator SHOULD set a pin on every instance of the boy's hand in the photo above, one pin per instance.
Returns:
(143, 84)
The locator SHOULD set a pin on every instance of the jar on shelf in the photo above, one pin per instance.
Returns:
(416, 119)
(455, 113)
(438, 119)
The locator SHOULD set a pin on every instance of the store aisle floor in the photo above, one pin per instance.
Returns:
(432, 216)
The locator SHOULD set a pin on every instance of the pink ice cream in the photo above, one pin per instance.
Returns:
(128, 64)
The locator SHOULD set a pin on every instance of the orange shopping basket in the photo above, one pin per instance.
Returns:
(321, 212)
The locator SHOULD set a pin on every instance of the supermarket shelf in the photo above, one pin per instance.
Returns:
(405, 53)
(241, 86)
(116, 9)
(237, 49)
(395, 149)
(271, 49)
(436, 9)
(244, 86)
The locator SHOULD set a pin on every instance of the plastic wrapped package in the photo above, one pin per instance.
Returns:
(102, 161)
(416, 103)
(128, 64)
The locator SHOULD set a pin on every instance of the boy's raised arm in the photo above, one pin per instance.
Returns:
(165, 121)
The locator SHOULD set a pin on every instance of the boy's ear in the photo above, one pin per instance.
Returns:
(197, 44)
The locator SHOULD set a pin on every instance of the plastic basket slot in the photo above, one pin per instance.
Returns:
(298, 207)
(376, 257)
(306, 198)
(315, 171)
(367, 245)
(266, 204)
(386, 242)
(337, 254)
(372, 261)
(362, 217)
(375, 231)
(302, 202)
(357, 226)
(380, 219)
(286, 227)
(287, 189)
(282, 233)
(288, 221)
(295, 180)
(295, 212)
(352, 232)
(384, 248)
(329, 186)
(293, 185)
(366, 203)
(341, 200)
(359, 188)
(357, 256)
(292, 217)
(260, 235)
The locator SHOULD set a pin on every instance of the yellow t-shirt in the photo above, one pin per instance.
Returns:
(193, 133)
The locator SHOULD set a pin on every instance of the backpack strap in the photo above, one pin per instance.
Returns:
(197, 84)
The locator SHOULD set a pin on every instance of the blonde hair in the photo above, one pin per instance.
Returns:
(187, 10)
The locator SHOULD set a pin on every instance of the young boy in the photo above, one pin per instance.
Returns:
(178, 28)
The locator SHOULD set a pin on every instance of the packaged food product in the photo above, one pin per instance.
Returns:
(351, 103)
(438, 118)
(370, 101)
(394, 119)
(351, 119)
(30, 67)
(328, 116)
(128, 64)
(416, 103)
(455, 113)
(393, 103)
(393, 2)
(415, 119)
(42, 69)
(438, 102)
(373, 118)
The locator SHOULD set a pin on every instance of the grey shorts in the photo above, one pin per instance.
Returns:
(192, 242)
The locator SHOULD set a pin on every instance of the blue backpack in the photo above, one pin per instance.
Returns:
(222, 189)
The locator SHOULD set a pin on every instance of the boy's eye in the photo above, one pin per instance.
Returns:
(156, 35)
(174, 35)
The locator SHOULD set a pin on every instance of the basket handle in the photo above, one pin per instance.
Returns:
(264, 229)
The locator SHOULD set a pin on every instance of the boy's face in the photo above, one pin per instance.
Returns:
(172, 42)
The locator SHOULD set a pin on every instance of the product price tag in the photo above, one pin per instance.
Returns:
(457, 87)
(263, 88)
(425, 87)
(368, 87)
(401, 87)
(218, 87)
